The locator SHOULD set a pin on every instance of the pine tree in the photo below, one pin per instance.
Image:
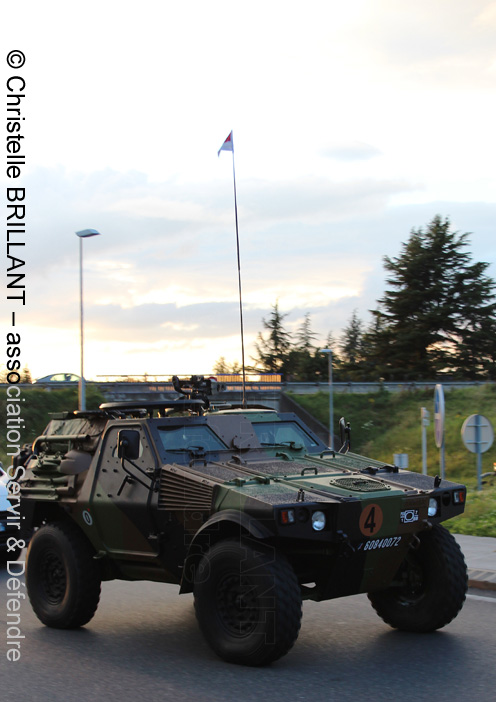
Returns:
(439, 314)
(26, 375)
(273, 350)
(220, 366)
(305, 336)
(352, 348)
(301, 364)
(330, 341)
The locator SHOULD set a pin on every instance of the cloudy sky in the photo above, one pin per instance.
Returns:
(353, 123)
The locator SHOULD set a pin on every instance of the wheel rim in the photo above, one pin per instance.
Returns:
(53, 578)
(237, 605)
(414, 586)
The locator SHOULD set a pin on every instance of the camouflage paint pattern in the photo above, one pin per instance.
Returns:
(258, 474)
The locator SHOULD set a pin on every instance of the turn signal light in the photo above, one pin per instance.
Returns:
(287, 516)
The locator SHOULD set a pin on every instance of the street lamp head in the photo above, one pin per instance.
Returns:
(85, 233)
(325, 350)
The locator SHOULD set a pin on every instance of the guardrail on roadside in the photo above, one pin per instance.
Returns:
(267, 386)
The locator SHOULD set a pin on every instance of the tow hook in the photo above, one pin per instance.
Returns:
(415, 542)
(346, 550)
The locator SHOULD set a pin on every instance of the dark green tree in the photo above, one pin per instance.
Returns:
(322, 360)
(351, 342)
(330, 341)
(221, 367)
(273, 349)
(307, 363)
(305, 336)
(26, 375)
(300, 360)
(301, 364)
(439, 313)
(352, 349)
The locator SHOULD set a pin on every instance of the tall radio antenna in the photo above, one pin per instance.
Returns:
(228, 145)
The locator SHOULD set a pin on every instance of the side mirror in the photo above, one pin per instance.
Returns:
(345, 435)
(128, 444)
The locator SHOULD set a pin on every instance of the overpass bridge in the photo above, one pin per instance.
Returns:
(256, 391)
(262, 391)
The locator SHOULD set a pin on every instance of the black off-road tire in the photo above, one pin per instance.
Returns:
(62, 578)
(434, 585)
(247, 602)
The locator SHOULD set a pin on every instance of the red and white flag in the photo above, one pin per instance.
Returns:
(227, 145)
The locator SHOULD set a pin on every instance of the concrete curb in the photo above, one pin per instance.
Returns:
(482, 579)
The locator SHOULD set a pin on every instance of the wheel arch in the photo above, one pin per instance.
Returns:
(35, 514)
(222, 525)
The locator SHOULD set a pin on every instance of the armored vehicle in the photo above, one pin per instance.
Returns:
(246, 508)
(8, 522)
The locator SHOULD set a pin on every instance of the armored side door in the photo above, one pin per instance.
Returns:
(120, 503)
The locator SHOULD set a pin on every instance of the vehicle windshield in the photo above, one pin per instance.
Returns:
(192, 437)
(287, 434)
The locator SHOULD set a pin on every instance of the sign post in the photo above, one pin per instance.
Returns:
(425, 417)
(478, 436)
(439, 424)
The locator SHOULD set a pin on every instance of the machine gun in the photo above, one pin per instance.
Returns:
(196, 388)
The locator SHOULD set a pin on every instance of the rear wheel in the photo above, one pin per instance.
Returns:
(62, 577)
(248, 602)
(432, 583)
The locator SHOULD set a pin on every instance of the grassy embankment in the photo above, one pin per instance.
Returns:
(386, 423)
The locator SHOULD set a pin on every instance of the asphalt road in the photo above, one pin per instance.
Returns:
(144, 644)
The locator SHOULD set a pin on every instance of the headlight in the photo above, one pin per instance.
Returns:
(432, 511)
(318, 521)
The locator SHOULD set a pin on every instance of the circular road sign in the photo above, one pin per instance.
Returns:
(477, 433)
(439, 415)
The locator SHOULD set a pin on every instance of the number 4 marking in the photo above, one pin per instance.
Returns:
(371, 520)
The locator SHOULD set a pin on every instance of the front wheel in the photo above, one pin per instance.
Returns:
(430, 586)
(62, 577)
(248, 602)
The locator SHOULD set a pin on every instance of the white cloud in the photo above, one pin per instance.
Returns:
(486, 18)
(351, 151)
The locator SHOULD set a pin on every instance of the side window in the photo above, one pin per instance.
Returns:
(184, 437)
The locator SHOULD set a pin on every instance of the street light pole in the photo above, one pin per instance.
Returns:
(331, 404)
(83, 234)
